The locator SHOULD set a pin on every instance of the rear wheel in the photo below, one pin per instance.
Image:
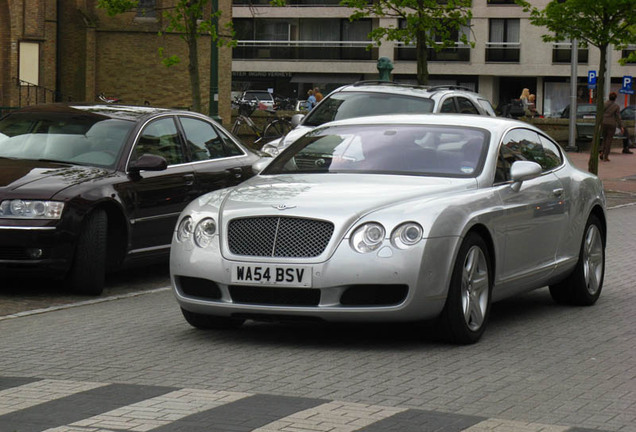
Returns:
(207, 322)
(468, 302)
(88, 271)
(583, 286)
(276, 129)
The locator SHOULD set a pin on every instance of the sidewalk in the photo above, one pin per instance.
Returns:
(618, 175)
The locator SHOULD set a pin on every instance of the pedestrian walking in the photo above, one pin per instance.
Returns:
(611, 120)
(317, 95)
(311, 100)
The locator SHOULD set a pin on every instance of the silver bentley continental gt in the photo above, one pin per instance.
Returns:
(394, 218)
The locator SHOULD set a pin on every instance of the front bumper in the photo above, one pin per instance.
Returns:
(32, 248)
(387, 285)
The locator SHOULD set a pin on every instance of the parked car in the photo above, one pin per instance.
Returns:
(394, 218)
(86, 188)
(261, 98)
(583, 111)
(366, 98)
(587, 112)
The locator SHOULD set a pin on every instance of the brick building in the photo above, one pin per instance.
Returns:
(70, 50)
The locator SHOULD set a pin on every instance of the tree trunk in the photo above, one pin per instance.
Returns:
(592, 165)
(422, 58)
(193, 66)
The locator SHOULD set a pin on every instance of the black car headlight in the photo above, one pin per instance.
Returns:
(31, 209)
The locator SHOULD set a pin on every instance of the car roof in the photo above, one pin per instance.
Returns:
(124, 112)
(405, 88)
(499, 124)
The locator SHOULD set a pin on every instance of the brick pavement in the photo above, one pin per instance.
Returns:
(539, 367)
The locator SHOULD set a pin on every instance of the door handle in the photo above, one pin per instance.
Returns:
(189, 179)
(557, 192)
(236, 172)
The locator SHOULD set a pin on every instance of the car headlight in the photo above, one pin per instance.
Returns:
(406, 235)
(367, 237)
(204, 232)
(31, 209)
(270, 149)
(185, 229)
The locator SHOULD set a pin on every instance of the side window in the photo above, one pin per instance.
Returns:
(518, 144)
(231, 149)
(466, 106)
(202, 139)
(448, 106)
(551, 154)
(160, 138)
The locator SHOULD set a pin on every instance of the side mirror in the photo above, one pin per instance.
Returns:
(521, 171)
(261, 164)
(296, 119)
(148, 162)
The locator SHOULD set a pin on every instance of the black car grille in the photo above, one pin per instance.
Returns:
(274, 236)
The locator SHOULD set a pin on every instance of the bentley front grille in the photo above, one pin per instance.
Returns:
(274, 236)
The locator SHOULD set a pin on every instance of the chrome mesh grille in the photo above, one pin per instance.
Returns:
(285, 237)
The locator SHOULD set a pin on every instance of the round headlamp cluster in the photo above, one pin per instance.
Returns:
(202, 233)
(370, 236)
(31, 209)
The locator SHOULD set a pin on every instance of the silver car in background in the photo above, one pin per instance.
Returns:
(370, 98)
(394, 218)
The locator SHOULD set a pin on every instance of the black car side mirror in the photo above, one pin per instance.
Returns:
(148, 162)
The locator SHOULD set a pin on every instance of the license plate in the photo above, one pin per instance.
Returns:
(297, 276)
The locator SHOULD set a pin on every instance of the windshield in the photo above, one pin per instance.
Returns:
(446, 151)
(83, 140)
(344, 105)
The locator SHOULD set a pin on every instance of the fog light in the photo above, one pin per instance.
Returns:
(35, 253)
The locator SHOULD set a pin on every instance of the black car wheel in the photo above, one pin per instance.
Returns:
(583, 286)
(468, 302)
(89, 264)
(207, 322)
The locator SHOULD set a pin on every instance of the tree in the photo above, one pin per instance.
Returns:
(429, 23)
(185, 18)
(600, 23)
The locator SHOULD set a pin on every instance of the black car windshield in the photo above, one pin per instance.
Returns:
(447, 151)
(344, 105)
(83, 140)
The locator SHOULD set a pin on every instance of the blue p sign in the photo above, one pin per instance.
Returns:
(591, 79)
(627, 82)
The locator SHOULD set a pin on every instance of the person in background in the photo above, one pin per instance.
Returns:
(317, 95)
(311, 100)
(525, 98)
(531, 108)
(611, 120)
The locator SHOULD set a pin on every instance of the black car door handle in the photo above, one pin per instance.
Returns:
(236, 172)
(189, 179)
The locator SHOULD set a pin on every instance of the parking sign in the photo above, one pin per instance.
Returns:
(627, 85)
(591, 79)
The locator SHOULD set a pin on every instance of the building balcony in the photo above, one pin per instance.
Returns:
(562, 53)
(503, 52)
(303, 50)
(459, 53)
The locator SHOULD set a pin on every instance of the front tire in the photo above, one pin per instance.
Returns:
(276, 129)
(467, 305)
(88, 270)
(583, 286)
(207, 322)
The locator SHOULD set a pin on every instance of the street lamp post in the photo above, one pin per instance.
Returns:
(214, 65)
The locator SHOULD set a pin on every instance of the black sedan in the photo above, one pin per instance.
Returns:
(86, 189)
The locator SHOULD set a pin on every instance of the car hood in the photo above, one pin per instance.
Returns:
(294, 134)
(341, 198)
(38, 179)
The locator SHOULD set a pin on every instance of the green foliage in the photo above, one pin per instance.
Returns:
(426, 23)
(114, 7)
(599, 22)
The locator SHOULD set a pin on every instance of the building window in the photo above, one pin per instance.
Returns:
(503, 43)
(630, 49)
(501, 2)
(302, 39)
(29, 63)
(147, 9)
(562, 53)
(460, 52)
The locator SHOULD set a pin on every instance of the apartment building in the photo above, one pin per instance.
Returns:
(312, 43)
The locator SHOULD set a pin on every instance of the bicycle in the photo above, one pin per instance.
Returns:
(275, 128)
